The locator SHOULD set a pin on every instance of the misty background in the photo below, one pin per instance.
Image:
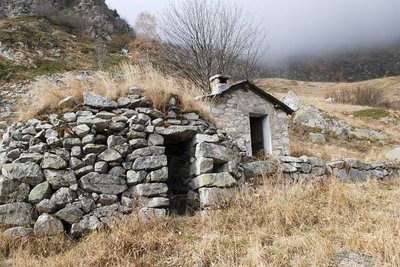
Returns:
(306, 27)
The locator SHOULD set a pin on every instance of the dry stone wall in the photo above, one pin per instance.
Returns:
(295, 169)
(104, 160)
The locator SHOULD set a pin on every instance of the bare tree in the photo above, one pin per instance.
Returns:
(206, 37)
(146, 26)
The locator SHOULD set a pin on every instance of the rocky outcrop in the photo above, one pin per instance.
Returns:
(92, 16)
(314, 118)
(107, 160)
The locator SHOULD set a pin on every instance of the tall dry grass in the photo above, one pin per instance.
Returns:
(272, 225)
(158, 88)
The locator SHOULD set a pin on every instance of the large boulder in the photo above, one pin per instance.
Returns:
(40, 192)
(53, 161)
(17, 214)
(253, 169)
(103, 183)
(70, 214)
(149, 189)
(312, 117)
(29, 173)
(60, 178)
(293, 101)
(181, 133)
(12, 191)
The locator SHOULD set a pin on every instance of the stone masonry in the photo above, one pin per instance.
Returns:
(104, 160)
(232, 114)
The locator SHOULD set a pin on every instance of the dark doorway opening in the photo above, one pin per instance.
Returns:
(257, 135)
(178, 175)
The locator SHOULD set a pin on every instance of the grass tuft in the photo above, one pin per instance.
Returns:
(375, 113)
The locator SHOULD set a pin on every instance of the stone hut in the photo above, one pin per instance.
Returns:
(254, 118)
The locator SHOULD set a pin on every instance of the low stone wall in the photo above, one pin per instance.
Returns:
(107, 159)
(301, 168)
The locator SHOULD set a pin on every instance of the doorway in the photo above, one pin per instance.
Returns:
(260, 135)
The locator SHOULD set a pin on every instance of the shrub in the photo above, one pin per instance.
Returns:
(364, 96)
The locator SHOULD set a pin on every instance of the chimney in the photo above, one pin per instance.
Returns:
(219, 83)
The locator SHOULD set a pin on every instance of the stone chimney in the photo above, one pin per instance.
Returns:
(219, 83)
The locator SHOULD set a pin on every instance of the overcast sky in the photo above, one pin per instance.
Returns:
(299, 26)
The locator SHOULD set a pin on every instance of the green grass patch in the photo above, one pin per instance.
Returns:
(375, 113)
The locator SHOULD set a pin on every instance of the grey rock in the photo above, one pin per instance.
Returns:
(353, 259)
(223, 180)
(87, 203)
(124, 149)
(76, 151)
(14, 154)
(97, 124)
(68, 102)
(110, 155)
(63, 196)
(29, 157)
(12, 191)
(135, 177)
(69, 214)
(292, 101)
(17, 214)
(305, 168)
(103, 183)
(178, 132)
(138, 143)
(117, 126)
(107, 199)
(53, 142)
(71, 142)
(40, 192)
(140, 119)
(117, 171)
(149, 189)
(127, 202)
(81, 130)
(90, 159)
(154, 202)
(101, 167)
(158, 122)
(105, 115)
(38, 148)
(115, 140)
(160, 175)
(145, 152)
(367, 134)
(96, 101)
(317, 138)
(83, 171)
(17, 232)
(84, 225)
(155, 140)
(60, 178)
(75, 163)
(29, 173)
(219, 154)
(88, 139)
(137, 128)
(316, 162)
(94, 148)
(201, 166)
(47, 225)
(70, 117)
(204, 138)
(149, 163)
(46, 206)
(53, 161)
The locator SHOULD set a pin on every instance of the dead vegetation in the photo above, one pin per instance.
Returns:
(158, 88)
(304, 224)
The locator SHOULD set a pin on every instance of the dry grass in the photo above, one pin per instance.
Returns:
(158, 88)
(273, 225)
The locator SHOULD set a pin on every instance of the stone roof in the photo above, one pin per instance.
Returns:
(257, 90)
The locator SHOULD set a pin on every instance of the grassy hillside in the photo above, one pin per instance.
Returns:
(32, 46)
(316, 93)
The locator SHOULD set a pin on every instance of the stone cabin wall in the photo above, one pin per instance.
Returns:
(232, 114)
(107, 159)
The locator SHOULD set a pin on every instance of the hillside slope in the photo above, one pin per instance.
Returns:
(31, 46)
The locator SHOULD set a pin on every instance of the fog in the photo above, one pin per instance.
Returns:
(297, 27)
